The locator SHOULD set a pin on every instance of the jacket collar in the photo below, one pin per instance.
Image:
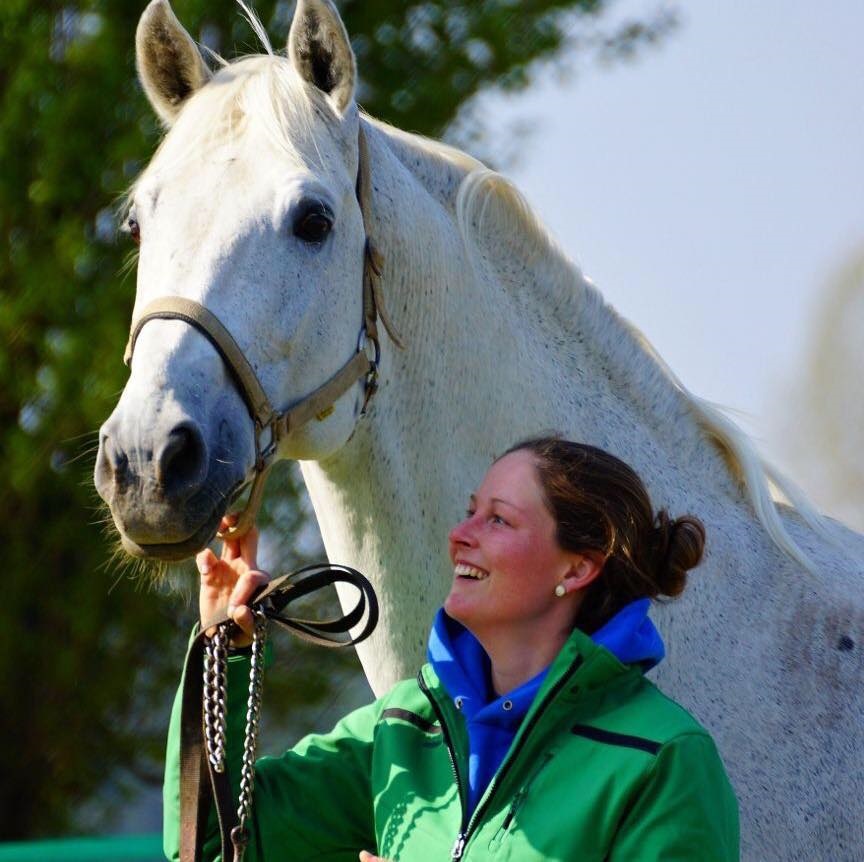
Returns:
(462, 666)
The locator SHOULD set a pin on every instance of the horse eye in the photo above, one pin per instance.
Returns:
(134, 230)
(313, 226)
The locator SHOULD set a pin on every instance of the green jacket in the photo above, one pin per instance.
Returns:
(603, 767)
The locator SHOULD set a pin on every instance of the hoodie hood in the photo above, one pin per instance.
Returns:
(632, 637)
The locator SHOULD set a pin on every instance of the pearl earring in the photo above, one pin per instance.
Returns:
(560, 590)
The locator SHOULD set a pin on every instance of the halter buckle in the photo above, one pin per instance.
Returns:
(363, 343)
(371, 381)
(265, 451)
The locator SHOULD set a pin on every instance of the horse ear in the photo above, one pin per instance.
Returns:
(170, 66)
(320, 51)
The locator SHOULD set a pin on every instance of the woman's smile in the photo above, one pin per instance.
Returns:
(466, 570)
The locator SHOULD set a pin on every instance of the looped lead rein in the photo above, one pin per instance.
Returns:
(268, 604)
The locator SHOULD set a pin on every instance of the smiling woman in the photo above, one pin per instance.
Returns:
(566, 511)
(531, 733)
(508, 532)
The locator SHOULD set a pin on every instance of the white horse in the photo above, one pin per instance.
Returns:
(249, 209)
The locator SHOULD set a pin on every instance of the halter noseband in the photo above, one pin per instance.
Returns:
(271, 426)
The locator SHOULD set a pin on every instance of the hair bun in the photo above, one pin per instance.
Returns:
(678, 547)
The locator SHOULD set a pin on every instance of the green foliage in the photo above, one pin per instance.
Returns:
(90, 654)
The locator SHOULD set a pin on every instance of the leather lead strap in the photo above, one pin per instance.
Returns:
(198, 781)
(195, 789)
(200, 786)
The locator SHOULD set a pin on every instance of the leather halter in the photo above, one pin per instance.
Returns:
(271, 425)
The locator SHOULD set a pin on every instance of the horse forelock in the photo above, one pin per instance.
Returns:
(256, 92)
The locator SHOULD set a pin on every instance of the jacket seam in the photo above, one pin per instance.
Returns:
(619, 740)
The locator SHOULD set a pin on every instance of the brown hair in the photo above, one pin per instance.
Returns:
(600, 504)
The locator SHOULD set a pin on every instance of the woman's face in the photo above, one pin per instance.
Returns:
(506, 559)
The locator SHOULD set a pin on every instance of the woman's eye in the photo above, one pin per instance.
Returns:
(134, 229)
(497, 519)
(314, 226)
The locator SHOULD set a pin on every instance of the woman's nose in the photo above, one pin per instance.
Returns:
(463, 533)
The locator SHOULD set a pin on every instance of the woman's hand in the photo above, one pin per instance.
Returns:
(230, 580)
(366, 856)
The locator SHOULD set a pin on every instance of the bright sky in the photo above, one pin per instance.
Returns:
(710, 187)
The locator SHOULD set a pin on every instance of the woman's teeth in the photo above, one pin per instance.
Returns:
(463, 570)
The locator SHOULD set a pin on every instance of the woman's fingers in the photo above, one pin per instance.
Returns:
(244, 547)
(249, 547)
(226, 594)
(238, 608)
(366, 856)
(206, 561)
(230, 580)
(244, 620)
(245, 588)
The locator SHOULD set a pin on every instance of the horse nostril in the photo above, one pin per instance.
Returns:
(181, 466)
(112, 464)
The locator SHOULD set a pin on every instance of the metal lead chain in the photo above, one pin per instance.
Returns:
(239, 835)
(215, 694)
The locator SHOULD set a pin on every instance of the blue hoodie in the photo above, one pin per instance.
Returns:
(465, 672)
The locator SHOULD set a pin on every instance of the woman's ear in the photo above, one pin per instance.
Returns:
(585, 568)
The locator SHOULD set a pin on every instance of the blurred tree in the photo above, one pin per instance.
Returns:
(88, 663)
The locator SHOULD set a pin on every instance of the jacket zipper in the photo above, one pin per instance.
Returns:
(459, 845)
(465, 830)
(519, 798)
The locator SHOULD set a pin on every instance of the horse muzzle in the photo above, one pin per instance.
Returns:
(167, 494)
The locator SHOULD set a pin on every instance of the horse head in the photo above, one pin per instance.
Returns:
(248, 210)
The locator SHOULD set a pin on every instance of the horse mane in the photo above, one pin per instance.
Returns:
(484, 196)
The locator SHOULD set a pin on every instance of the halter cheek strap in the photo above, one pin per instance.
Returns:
(272, 426)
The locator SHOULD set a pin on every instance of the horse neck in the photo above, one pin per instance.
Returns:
(507, 338)
(502, 341)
